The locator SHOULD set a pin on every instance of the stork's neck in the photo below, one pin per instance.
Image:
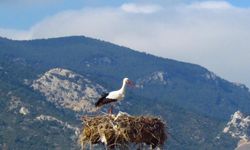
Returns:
(123, 88)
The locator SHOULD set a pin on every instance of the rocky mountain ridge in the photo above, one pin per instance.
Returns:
(67, 89)
(238, 127)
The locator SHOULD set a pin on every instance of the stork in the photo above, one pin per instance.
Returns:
(114, 96)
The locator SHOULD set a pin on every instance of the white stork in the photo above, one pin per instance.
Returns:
(114, 96)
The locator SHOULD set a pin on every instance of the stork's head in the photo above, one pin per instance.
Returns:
(128, 82)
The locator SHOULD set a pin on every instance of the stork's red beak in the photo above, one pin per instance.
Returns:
(130, 83)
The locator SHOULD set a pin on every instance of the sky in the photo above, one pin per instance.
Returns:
(214, 34)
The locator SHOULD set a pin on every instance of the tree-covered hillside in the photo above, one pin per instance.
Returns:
(194, 101)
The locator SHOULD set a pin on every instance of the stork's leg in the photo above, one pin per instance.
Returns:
(110, 111)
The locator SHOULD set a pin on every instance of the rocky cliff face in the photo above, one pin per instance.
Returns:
(157, 77)
(239, 127)
(67, 89)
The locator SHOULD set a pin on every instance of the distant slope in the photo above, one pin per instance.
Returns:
(194, 101)
(188, 84)
(19, 128)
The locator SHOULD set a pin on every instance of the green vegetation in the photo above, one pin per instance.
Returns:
(195, 103)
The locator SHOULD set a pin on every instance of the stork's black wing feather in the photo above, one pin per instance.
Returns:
(97, 104)
(103, 100)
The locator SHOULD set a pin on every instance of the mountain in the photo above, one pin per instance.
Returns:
(47, 84)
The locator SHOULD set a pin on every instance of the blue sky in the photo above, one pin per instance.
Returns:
(22, 15)
(214, 34)
(240, 3)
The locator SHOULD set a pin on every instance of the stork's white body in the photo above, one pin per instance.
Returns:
(114, 95)
(118, 95)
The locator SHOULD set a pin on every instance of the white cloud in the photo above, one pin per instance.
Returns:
(218, 40)
(15, 34)
(211, 5)
(144, 9)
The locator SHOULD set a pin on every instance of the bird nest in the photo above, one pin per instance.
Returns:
(122, 131)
